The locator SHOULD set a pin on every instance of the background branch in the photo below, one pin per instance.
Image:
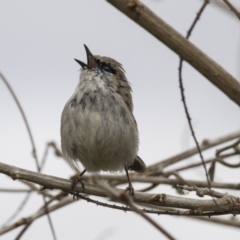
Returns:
(143, 16)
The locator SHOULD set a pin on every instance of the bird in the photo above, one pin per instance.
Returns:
(98, 128)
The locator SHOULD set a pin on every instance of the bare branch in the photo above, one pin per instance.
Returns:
(224, 205)
(143, 16)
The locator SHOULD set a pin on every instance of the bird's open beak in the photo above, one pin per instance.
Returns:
(91, 62)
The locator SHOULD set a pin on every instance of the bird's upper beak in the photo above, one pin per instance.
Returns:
(91, 62)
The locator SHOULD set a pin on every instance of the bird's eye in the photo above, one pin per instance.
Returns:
(106, 68)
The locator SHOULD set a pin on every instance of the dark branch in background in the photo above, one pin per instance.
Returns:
(183, 95)
(143, 16)
(232, 8)
(32, 142)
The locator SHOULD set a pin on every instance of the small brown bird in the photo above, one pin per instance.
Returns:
(98, 128)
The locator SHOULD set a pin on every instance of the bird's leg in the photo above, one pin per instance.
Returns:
(130, 187)
(76, 179)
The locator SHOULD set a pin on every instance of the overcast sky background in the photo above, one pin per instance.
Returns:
(40, 39)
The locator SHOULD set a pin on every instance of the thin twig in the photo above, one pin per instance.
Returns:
(184, 98)
(26, 199)
(34, 151)
(23, 231)
(18, 210)
(49, 218)
(232, 8)
(15, 190)
(24, 119)
(57, 152)
(37, 215)
(189, 32)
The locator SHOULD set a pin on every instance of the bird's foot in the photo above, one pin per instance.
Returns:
(130, 189)
(75, 180)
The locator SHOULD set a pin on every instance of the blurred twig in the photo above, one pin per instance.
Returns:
(232, 8)
(27, 220)
(34, 152)
(225, 222)
(24, 119)
(17, 211)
